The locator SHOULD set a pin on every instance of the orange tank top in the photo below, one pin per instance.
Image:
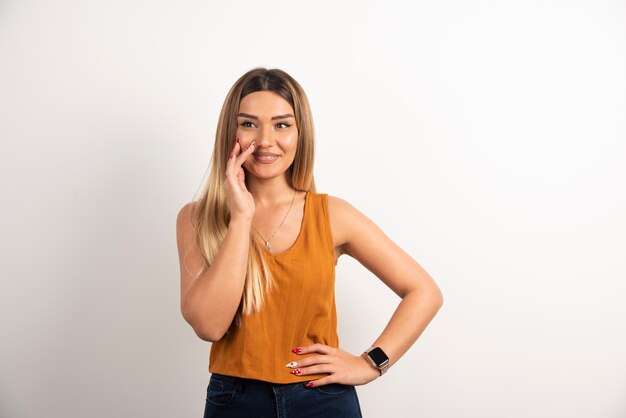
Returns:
(298, 310)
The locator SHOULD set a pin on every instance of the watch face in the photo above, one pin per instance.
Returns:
(379, 356)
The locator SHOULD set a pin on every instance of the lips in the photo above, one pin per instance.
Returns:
(265, 158)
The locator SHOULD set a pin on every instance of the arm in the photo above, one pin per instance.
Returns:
(357, 236)
(210, 295)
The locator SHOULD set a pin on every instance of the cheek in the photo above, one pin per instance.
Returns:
(293, 141)
(247, 163)
(242, 135)
(248, 160)
(245, 135)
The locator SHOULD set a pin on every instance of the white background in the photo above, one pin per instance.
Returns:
(485, 137)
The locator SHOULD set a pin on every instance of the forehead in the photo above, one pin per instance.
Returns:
(264, 104)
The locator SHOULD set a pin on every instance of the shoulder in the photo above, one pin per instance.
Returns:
(339, 207)
(184, 218)
(345, 220)
(186, 211)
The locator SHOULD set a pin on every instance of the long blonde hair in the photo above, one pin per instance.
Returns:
(211, 217)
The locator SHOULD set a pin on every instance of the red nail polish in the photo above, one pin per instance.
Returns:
(297, 350)
(309, 385)
(296, 371)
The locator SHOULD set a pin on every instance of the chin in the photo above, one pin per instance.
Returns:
(266, 174)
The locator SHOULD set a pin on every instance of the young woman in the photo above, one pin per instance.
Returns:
(258, 252)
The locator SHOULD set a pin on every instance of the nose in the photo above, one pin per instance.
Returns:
(265, 137)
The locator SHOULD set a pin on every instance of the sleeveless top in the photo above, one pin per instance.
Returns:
(298, 310)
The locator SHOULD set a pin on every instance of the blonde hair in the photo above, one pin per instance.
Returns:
(211, 217)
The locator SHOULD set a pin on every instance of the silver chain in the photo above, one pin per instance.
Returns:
(267, 241)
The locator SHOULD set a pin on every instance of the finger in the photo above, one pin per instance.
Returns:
(317, 369)
(313, 348)
(235, 177)
(320, 382)
(310, 361)
(247, 150)
(241, 177)
(230, 164)
(232, 170)
(235, 151)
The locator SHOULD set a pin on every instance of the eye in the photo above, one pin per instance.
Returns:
(247, 124)
(286, 125)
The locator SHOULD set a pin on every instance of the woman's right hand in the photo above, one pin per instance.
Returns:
(239, 199)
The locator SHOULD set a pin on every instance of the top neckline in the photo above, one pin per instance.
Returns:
(288, 250)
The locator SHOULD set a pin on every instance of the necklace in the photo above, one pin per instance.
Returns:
(267, 241)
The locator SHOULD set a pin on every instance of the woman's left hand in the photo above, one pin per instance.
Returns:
(342, 366)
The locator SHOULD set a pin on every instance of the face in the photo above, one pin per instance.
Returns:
(268, 119)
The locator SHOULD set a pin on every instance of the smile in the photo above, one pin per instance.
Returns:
(265, 158)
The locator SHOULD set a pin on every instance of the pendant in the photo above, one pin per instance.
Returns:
(267, 245)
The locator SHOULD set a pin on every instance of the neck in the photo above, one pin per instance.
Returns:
(269, 192)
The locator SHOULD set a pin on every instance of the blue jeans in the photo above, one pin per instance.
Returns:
(229, 396)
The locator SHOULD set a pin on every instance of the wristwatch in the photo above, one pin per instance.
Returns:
(377, 358)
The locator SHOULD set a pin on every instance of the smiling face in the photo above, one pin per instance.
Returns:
(268, 119)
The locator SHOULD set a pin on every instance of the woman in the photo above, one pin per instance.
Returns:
(258, 252)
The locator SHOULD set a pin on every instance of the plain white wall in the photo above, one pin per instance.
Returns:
(485, 137)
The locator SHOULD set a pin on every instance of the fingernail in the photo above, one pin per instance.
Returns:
(231, 155)
(297, 350)
(296, 371)
(292, 364)
(309, 385)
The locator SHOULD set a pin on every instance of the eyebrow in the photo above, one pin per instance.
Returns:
(247, 115)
